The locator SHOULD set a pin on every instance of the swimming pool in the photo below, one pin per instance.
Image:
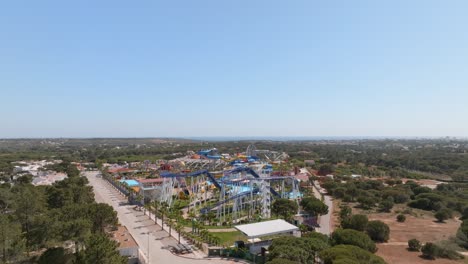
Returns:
(130, 183)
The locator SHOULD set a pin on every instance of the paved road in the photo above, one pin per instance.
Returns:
(325, 220)
(139, 225)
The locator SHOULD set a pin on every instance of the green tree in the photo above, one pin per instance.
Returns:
(357, 222)
(366, 202)
(284, 208)
(378, 231)
(414, 244)
(353, 237)
(325, 169)
(11, 243)
(349, 254)
(318, 236)
(7, 200)
(345, 212)
(103, 216)
(24, 179)
(72, 171)
(386, 205)
(56, 255)
(302, 250)
(430, 250)
(443, 214)
(314, 206)
(282, 261)
(100, 249)
(30, 205)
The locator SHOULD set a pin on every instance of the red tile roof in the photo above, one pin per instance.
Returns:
(158, 180)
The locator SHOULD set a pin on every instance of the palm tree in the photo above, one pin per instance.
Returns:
(155, 211)
(169, 223)
(147, 206)
(163, 210)
(178, 228)
(139, 198)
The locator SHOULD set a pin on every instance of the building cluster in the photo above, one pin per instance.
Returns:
(38, 170)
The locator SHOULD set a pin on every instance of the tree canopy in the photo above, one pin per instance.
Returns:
(353, 237)
(284, 208)
(349, 254)
(314, 206)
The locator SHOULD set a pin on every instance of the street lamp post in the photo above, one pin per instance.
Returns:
(148, 246)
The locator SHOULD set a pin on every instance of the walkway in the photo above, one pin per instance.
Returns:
(148, 236)
(325, 220)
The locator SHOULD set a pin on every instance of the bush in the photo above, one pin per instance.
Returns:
(398, 195)
(401, 218)
(421, 189)
(443, 214)
(378, 231)
(386, 205)
(423, 203)
(349, 254)
(366, 202)
(448, 249)
(345, 212)
(282, 261)
(56, 255)
(430, 250)
(357, 222)
(414, 244)
(353, 237)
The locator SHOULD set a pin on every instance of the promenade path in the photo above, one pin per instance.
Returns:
(146, 233)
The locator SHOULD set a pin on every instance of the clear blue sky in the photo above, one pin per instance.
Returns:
(233, 68)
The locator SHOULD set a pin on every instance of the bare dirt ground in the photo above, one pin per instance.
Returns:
(420, 225)
(397, 254)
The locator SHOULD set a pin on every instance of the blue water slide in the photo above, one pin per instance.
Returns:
(253, 173)
(208, 209)
(192, 174)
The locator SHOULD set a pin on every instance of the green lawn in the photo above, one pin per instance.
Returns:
(228, 238)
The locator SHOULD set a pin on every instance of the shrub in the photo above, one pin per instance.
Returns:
(357, 222)
(282, 261)
(414, 244)
(386, 205)
(421, 189)
(349, 254)
(397, 195)
(401, 218)
(345, 212)
(366, 202)
(353, 237)
(443, 214)
(423, 203)
(430, 250)
(378, 231)
(448, 249)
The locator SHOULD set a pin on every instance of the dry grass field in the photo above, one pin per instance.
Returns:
(419, 224)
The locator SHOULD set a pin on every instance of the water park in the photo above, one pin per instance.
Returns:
(221, 192)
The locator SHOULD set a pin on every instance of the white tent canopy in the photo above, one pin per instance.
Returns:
(266, 228)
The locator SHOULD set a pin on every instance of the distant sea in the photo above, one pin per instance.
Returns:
(316, 138)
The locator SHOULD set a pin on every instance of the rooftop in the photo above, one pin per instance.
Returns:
(266, 228)
(157, 180)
